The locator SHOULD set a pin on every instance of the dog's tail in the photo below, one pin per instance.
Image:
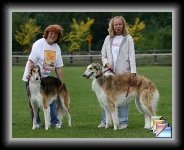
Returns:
(64, 97)
(63, 101)
(151, 103)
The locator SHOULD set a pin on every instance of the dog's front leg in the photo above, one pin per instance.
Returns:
(35, 110)
(108, 118)
(45, 103)
(47, 117)
(114, 115)
(115, 119)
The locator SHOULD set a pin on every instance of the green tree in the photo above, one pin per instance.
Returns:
(134, 29)
(27, 34)
(78, 34)
(18, 18)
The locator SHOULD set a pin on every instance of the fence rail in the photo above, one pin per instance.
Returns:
(83, 60)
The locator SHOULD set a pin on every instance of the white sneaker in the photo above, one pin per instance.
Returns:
(122, 126)
(38, 125)
(58, 126)
(102, 125)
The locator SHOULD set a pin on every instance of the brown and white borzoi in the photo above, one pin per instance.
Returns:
(113, 91)
(43, 92)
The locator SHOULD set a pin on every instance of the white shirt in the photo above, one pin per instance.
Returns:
(125, 62)
(44, 55)
(115, 48)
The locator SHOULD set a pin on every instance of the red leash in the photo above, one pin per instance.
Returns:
(99, 75)
(129, 86)
(29, 96)
(128, 90)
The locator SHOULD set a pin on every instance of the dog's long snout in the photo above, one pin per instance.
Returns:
(36, 77)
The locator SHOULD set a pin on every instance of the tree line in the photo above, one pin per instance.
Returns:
(150, 30)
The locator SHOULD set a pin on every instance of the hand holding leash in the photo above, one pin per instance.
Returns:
(28, 76)
(133, 79)
(109, 66)
(132, 82)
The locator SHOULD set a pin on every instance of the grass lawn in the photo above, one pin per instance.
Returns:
(85, 109)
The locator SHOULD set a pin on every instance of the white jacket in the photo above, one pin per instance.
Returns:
(126, 58)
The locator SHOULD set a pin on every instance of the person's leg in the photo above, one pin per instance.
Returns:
(38, 121)
(53, 114)
(123, 116)
(103, 121)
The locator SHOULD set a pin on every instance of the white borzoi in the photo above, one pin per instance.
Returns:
(113, 91)
(43, 92)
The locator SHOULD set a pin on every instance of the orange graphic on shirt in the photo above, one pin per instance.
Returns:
(49, 59)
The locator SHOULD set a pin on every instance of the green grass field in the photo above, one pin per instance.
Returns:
(85, 110)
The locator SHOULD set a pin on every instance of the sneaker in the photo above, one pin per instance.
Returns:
(122, 126)
(58, 126)
(102, 125)
(38, 125)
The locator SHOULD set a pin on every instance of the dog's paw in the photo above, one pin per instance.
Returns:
(45, 106)
(107, 126)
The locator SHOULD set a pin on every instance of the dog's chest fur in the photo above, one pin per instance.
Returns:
(43, 90)
(36, 96)
(100, 93)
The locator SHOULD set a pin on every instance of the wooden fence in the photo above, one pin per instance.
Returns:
(83, 60)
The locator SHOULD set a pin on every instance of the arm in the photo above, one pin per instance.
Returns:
(132, 62)
(131, 53)
(32, 58)
(58, 71)
(104, 55)
(30, 64)
(104, 52)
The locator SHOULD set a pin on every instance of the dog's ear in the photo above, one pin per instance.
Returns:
(30, 72)
(98, 66)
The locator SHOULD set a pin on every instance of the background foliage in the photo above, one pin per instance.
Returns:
(78, 34)
(157, 33)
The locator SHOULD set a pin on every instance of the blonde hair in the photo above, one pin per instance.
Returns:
(111, 28)
(54, 28)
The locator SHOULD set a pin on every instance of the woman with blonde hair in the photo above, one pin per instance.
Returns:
(118, 54)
